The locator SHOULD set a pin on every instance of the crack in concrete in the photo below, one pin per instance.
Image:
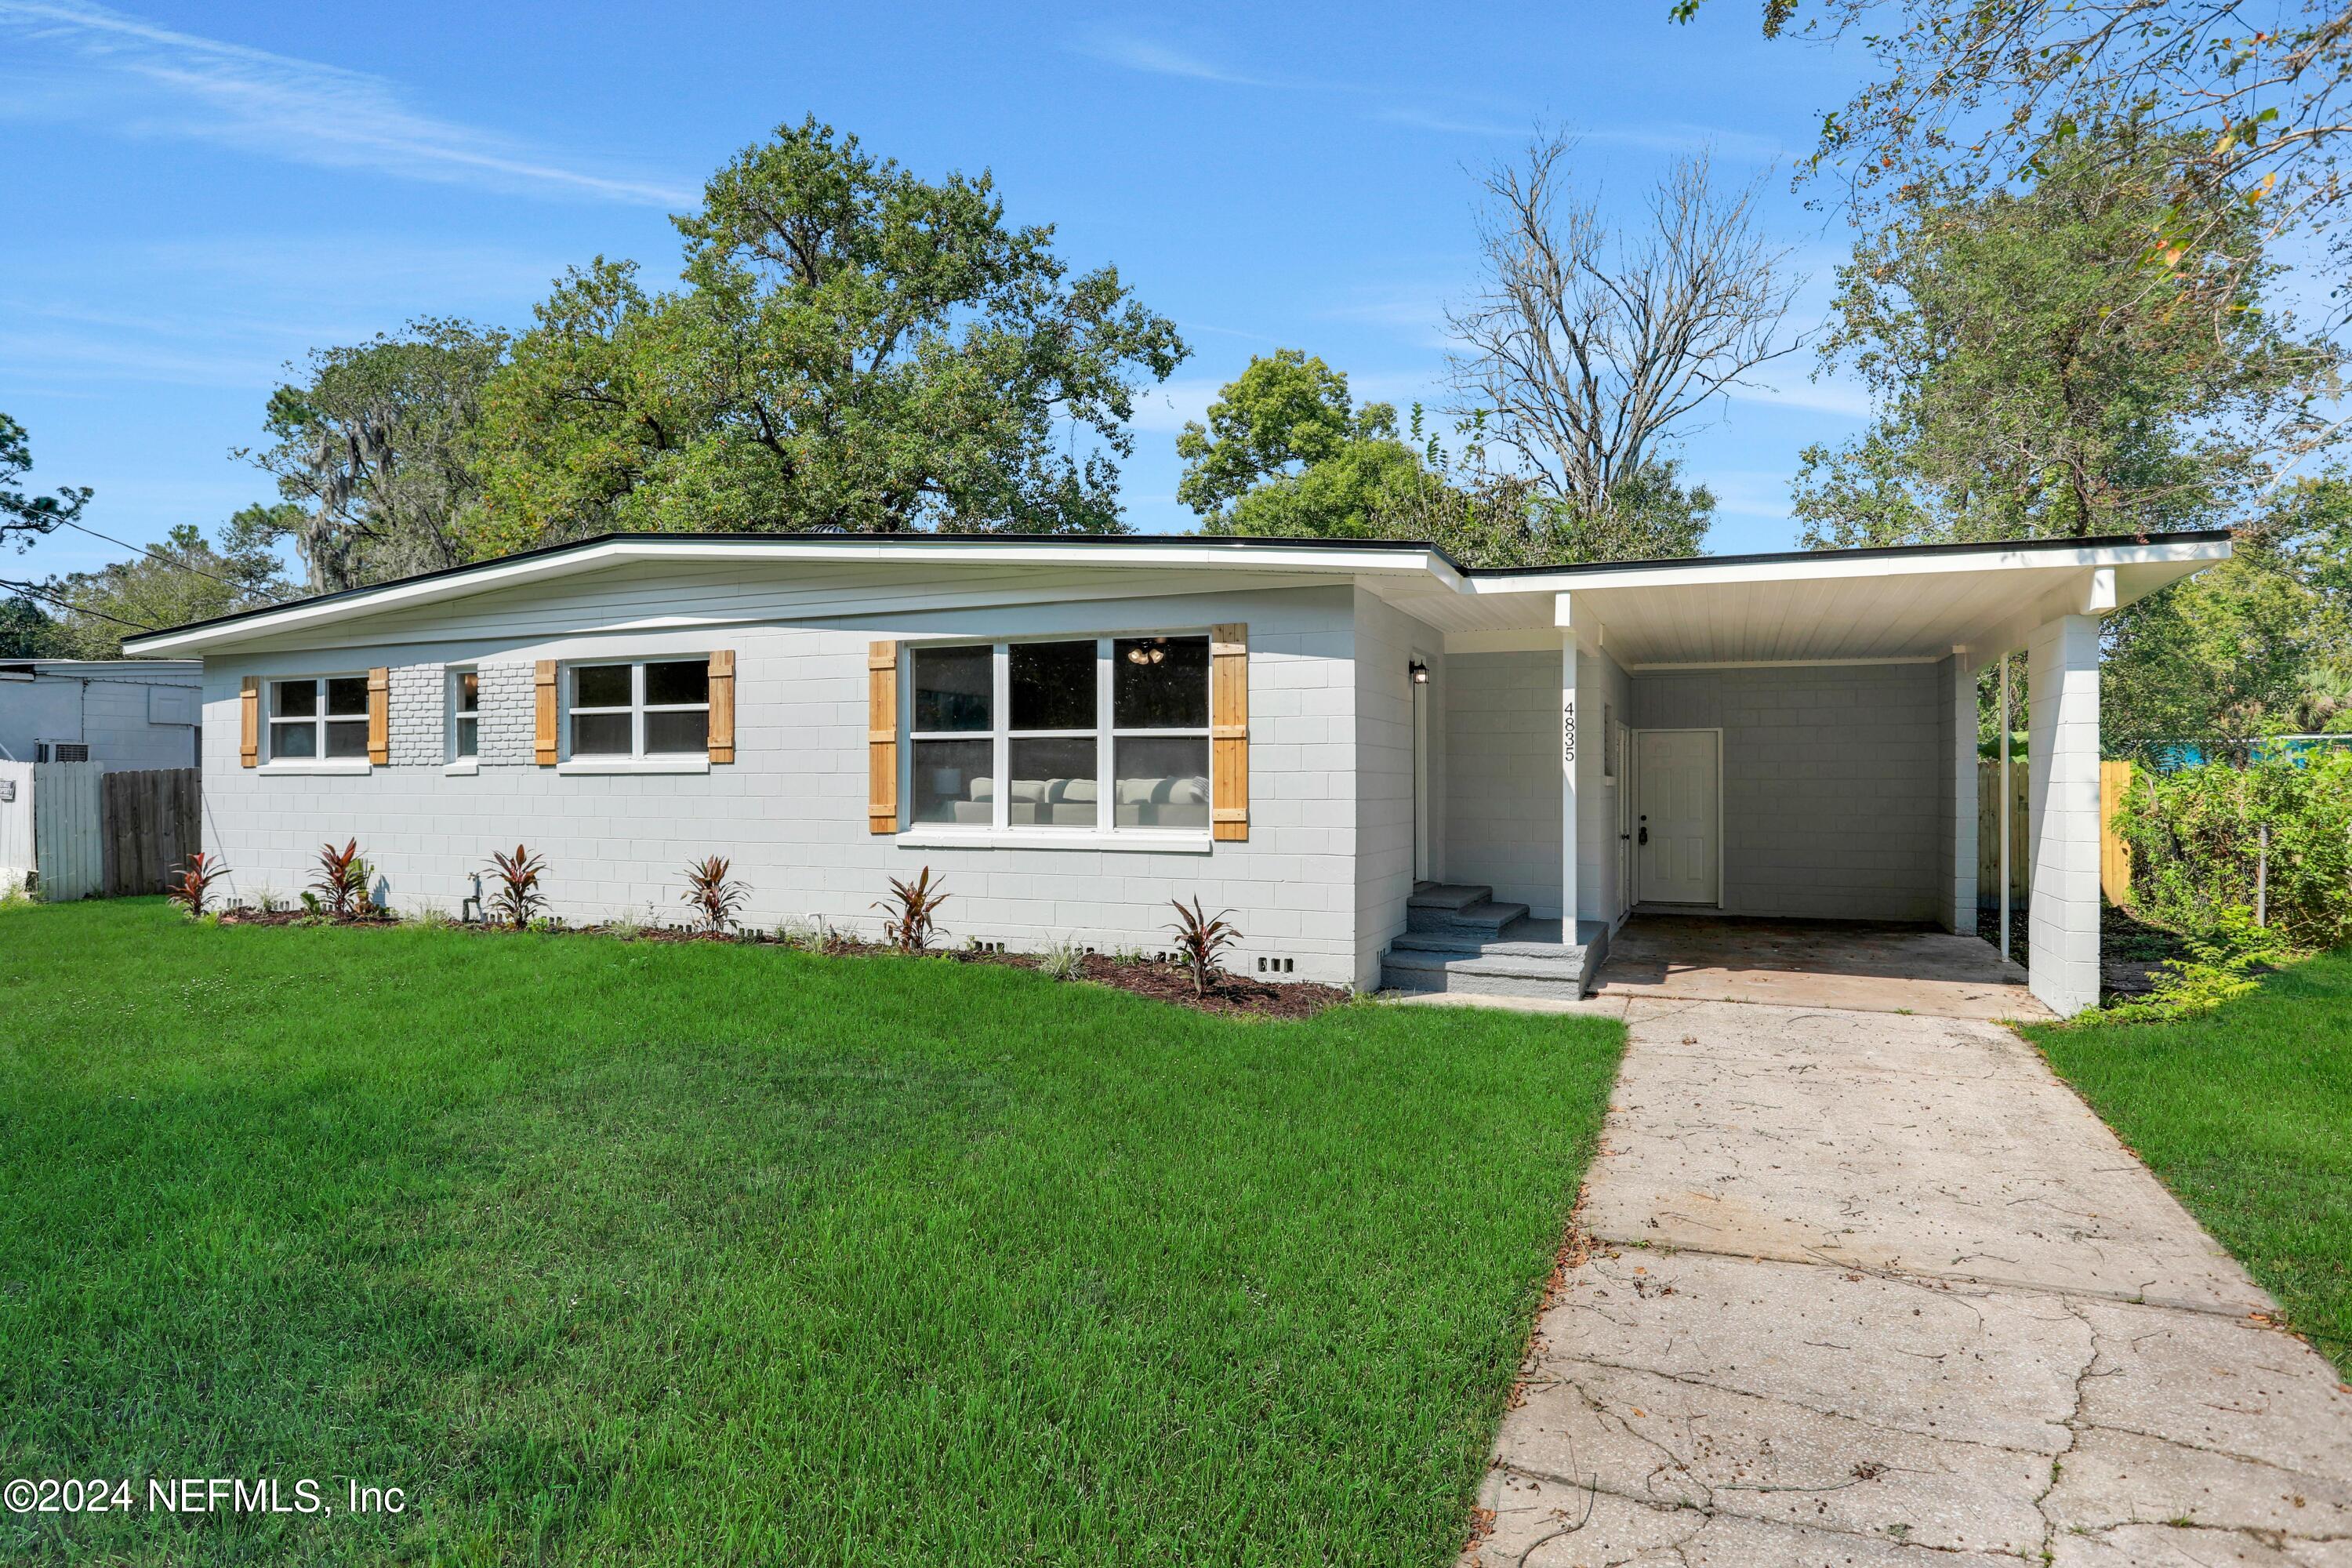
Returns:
(1825, 1412)
(2236, 1314)
(1708, 1513)
(2073, 1425)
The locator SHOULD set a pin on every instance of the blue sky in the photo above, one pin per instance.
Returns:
(199, 194)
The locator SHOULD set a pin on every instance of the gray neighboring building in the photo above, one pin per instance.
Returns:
(119, 714)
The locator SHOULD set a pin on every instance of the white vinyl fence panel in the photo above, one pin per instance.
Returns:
(15, 824)
(68, 838)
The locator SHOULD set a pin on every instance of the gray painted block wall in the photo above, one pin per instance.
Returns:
(1502, 776)
(791, 809)
(1503, 822)
(1834, 807)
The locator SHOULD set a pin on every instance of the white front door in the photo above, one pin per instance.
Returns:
(1677, 820)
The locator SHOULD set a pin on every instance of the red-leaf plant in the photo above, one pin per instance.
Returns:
(913, 907)
(194, 884)
(341, 886)
(1200, 938)
(518, 897)
(714, 899)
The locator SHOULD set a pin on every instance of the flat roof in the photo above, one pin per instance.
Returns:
(1340, 558)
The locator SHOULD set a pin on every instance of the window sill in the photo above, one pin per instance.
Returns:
(1134, 840)
(317, 765)
(635, 766)
(463, 770)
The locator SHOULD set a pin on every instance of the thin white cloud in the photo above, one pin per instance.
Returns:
(1161, 59)
(147, 79)
(1448, 124)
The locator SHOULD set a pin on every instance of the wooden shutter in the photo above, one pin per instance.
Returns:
(723, 705)
(882, 738)
(543, 747)
(379, 715)
(1228, 733)
(248, 721)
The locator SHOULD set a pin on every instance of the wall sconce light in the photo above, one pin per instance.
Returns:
(1419, 672)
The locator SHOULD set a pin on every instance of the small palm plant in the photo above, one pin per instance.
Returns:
(341, 884)
(193, 885)
(913, 908)
(519, 898)
(1200, 938)
(714, 899)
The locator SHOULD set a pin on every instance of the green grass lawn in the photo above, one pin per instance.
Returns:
(2246, 1114)
(610, 1252)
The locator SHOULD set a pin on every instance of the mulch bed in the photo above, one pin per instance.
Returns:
(2131, 952)
(1228, 994)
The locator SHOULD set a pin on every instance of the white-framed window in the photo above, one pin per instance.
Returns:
(1098, 734)
(465, 705)
(643, 708)
(319, 718)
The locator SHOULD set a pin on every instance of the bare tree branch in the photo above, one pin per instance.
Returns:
(1588, 353)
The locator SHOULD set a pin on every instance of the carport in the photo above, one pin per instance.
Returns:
(1776, 738)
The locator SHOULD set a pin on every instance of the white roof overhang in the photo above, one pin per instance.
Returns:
(1797, 608)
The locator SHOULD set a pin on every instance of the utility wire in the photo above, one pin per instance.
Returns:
(37, 592)
(167, 561)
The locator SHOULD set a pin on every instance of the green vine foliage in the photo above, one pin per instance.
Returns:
(2198, 846)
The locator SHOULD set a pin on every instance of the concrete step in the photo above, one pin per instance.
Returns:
(1472, 943)
(1560, 978)
(1448, 895)
(1483, 918)
(1529, 959)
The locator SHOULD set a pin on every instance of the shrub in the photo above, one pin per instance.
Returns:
(808, 934)
(194, 883)
(712, 897)
(1200, 939)
(2202, 838)
(2218, 968)
(913, 910)
(1062, 959)
(339, 891)
(519, 898)
(268, 900)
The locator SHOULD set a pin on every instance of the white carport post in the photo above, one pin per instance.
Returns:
(2063, 748)
(1567, 832)
(1962, 915)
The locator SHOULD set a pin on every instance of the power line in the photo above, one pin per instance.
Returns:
(35, 590)
(167, 561)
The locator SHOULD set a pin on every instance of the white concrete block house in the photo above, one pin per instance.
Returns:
(1073, 731)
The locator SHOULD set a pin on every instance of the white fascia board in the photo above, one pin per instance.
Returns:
(1177, 555)
(1798, 568)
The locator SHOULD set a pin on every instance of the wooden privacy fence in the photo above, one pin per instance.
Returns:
(2021, 834)
(79, 832)
(2115, 854)
(148, 819)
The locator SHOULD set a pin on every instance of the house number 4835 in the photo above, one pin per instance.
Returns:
(1567, 730)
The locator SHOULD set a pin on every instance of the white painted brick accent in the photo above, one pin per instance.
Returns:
(417, 693)
(509, 718)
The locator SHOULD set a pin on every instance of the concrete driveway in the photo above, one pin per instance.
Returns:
(1869, 1288)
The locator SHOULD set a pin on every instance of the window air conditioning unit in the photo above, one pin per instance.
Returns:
(61, 751)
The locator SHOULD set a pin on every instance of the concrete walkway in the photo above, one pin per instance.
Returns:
(1868, 1288)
